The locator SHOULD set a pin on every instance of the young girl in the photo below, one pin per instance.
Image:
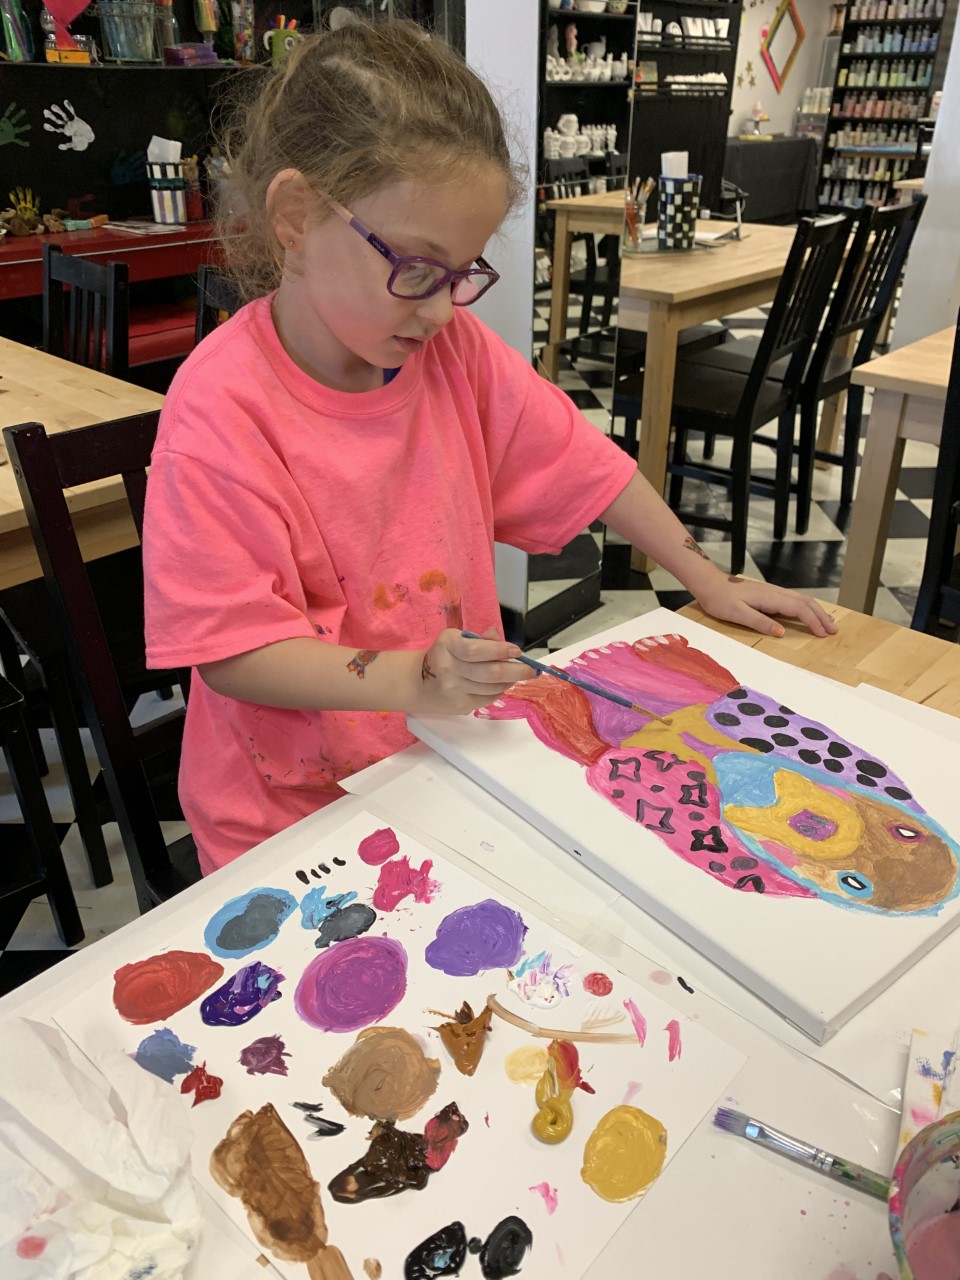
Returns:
(334, 463)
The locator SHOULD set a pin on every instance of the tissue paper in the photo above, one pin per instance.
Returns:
(163, 151)
(95, 1180)
(675, 164)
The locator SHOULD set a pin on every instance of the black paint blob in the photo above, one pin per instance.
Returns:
(784, 740)
(897, 793)
(505, 1248)
(726, 718)
(737, 694)
(808, 756)
(835, 766)
(751, 708)
(303, 877)
(865, 780)
(442, 1254)
(758, 744)
(686, 986)
(776, 722)
(871, 768)
(345, 922)
(839, 750)
(815, 735)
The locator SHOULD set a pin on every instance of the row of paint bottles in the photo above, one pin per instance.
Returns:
(893, 40)
(877, 135)
(892, 75)
(909, 106)
(890, 10)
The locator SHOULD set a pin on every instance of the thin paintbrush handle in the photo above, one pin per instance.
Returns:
(585, 685)
(874, 1184)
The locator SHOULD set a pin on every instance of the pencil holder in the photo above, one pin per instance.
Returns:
(924, 1192)
(678, 203)
(167, 191)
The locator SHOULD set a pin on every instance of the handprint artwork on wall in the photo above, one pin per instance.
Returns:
(64, 120)
(11, 128)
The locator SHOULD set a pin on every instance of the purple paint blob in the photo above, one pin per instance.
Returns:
(265, 1057)
(242, 997)
(164, 1054)
(355, 983)
(486, 935)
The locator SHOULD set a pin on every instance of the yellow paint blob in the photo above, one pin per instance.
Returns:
(624, 1154)
(527, 1064)
(554, 1120)
(795, 793)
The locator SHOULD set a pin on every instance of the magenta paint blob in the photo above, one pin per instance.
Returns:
(638, 1020)
(399, 880)
(353, 984)
(484, 935)
(674, 1047)
(548, 1195)
(378, 847)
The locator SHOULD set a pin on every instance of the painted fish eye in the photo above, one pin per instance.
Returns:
(857, 885)
(907, 834)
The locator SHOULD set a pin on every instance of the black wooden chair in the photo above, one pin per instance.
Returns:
(86, 311)
(31, 862)
(939, 596)
(727, 402)
(218, 296)
(131, 759)
(874, 264)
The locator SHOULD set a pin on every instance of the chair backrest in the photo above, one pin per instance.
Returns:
(567, 177)
(44, 467)
(616, 170)
(891, 235)
(88, 322)
(217, 294)
(800, 301)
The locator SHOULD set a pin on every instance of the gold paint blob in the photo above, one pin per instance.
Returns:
(526, 1065)
(384, 1075)
(624, 1154)
(464, 1035)
(554, 1120)
(372, 1268)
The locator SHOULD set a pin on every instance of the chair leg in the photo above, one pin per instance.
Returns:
(675, 492)
(10, 662)
(853, 423)
(42, 834)
(805, 461)
(781, 484)
(709, 444)
(630, 425)
(739, 501)
(60, 694)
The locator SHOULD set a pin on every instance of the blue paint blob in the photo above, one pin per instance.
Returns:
(248, 923)
(242, 997)
(165, 1055)
(314, 907)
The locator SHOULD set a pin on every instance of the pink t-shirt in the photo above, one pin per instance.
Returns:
(278, 508)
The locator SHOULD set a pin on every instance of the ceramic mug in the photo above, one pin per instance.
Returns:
(278, 42)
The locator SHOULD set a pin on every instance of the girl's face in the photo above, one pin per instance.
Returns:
(341, 310)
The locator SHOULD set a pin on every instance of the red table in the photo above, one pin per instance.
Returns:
(148, 257)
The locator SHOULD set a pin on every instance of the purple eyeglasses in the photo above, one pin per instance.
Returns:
(423, 277)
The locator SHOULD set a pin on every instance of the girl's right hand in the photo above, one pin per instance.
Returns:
(458, 676)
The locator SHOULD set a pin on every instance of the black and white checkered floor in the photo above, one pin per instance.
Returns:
(811, 563)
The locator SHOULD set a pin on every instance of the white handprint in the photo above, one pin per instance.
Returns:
(78, 133)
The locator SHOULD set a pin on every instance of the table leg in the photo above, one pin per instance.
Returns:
(655, 413)
(559, 293)
(879, 473)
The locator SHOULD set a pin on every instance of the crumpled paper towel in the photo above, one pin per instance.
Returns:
(95, 1180)
(931, 1088)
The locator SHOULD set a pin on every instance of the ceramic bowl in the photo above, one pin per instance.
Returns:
(591, 6)
(616, 6)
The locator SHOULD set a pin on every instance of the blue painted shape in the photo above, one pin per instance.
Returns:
(746, 781)
(248, 923)
(164, 1054)
(314, 907)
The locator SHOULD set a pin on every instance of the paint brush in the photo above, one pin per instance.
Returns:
(854, 1175)
(585, 685)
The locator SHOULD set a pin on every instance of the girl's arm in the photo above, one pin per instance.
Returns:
(453, 676)
(645, 520)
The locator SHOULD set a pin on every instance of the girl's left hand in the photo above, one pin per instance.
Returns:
(740, 600)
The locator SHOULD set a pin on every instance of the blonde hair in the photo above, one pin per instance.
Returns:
(352, 110)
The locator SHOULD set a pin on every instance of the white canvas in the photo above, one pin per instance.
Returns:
(498, 1163)
(816, 962)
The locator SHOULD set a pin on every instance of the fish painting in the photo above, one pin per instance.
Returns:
(758, 796)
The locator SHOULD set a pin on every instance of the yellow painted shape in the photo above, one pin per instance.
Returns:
(527, 1064)
(795, 793)
(668, 736)
(624, 1154)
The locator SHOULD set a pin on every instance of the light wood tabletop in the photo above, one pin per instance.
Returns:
(663, 293)
(909, 389)
(36, 387)
(865, 650)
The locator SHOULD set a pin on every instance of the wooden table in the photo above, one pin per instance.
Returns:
(602, 214)
(662, 293)
(910, 387)
(149, 257)
(36, 387)
(907, 188)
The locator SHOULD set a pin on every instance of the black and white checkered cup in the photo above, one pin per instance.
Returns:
(678, 203)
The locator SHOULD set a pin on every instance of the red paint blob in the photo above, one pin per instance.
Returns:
(204, 1086)
(31, 1247)
(598, 984)
(399, 880)
(154, 989)
(378, 847)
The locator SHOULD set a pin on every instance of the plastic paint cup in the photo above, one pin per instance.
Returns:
(924, 1189)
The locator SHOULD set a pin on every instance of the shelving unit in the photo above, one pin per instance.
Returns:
(890, 62)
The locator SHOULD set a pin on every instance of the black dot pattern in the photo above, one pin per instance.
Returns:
(776, 722)
(758, 744)
(783, 740)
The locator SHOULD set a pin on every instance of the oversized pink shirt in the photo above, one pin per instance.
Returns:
(278, 508)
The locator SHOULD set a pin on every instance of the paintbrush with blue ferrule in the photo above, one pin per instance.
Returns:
(585, 685)
(853, 1175)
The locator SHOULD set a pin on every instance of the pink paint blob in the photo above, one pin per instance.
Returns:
(355, 983)
(933, 1250)
(638, 1020)
(399, 880)
(803, 1213)
(378, 847)
(549, 1195)
(922, 1116)
(674, 1047)
(661, 977)
(30, 1247)
(633, 1088)
(486, 1118)
(598, 984)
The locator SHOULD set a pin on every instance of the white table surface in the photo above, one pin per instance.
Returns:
(723, 1208)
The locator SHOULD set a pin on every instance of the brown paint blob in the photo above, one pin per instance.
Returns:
(624, 1154)
(260, 1162)
(396, 1161)
(372, 1268)
(384, 1075)
(464, 1037)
